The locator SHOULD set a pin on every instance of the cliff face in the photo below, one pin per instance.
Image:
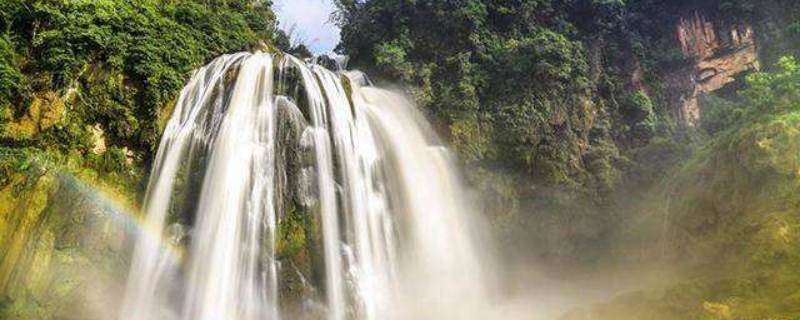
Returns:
(717, 52)
(64, 234)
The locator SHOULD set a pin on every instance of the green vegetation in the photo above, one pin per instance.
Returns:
(732, 214)
(557, 97)
(69, 67)
(739, 209)
(637, 113)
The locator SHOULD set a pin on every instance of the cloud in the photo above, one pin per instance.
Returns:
(311, 20)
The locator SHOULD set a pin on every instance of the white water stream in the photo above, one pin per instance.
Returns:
(255, 136)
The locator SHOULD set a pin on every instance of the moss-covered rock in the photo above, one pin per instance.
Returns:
(63, 234)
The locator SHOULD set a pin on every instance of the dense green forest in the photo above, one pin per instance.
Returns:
(68, 65)
(567, 115)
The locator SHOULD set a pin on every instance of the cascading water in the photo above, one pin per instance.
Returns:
(255, 138)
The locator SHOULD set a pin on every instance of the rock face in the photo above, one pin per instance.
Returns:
(45, 111)
(717, 51)
(62, 244)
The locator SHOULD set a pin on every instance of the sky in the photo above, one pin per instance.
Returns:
(310, 19)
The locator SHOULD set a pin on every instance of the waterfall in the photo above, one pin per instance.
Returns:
(255, 141)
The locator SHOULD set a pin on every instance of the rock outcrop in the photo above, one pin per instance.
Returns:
(62, 244)
(717, 51)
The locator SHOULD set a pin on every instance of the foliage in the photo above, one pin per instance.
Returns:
(638, 114)
(733, 215)
(726, 218)
(537, 91)
(716, 114)
(116, 64)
